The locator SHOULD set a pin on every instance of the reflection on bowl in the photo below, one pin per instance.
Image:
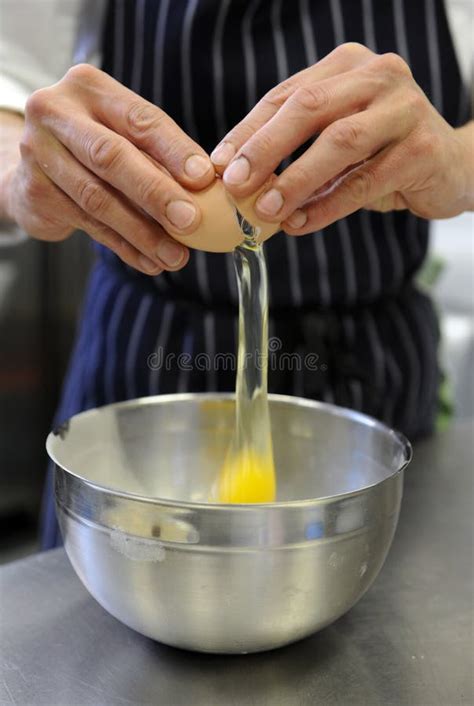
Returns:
(131, 483)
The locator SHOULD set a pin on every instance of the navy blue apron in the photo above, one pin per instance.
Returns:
(345, 294)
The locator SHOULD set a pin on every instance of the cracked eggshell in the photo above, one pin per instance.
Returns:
(219, 230)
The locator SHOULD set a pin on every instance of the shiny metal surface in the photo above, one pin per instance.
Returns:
(407, 642)
(131, 480)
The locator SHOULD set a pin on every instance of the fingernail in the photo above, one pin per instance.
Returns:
(297, 219)
(148, 265)
(270, 202)
(181, 213)
(238, 171)
(196, 166)
(170, 253)
(223, 153)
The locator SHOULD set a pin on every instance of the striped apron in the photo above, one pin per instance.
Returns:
(345, 294)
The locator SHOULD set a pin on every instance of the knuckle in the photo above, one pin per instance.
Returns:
(150, 191)
(392, 64)
(425, 144)
(172, 151)
(359, 186)
(346, 135)
(260, 146)
(103, 152)
(297, 176)
(278, 95)
(415, 101)
(141, 118)
(241, 133)
(82, 73)
(312, 98)
(351, 50)
(38, 104)
(93, 199)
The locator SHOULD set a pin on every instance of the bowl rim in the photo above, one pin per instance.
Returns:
(333, 409)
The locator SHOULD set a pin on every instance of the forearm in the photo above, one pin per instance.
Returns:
(11, 129)
(466, 138)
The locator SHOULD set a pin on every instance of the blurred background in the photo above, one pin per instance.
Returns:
(41, 288)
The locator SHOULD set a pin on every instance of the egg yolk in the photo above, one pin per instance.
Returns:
(246, 477)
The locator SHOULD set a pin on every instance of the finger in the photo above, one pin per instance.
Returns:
(52, 215)
(46, 202)
(307, 112)
(338, 61)
(340, 146)
(373, 181)
(105, 205)
(117, 244)
(145, 125)
(122, 165)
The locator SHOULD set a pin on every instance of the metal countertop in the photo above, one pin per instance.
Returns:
(408, 642)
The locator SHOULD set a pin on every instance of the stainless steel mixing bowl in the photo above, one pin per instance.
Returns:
(131, 485)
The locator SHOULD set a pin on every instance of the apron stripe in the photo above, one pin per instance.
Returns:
(111, 341)
(348, 263)
(101, 304)
(433, 54)
(119, 33)
(189, 120)
(309, 40)
(369, 26)
(218, 68)
(337, 21)
(231, 278)
(393, 396)
(137, 69)
(159, 44)
(411, 363)
(161, 347)
(73, 397)
(355, 386)
(400, 29)
(373, 263)
(249, 54)
(184, 370)
(321, 273)
(203, 281)
(376, 350)
(210, 342)
(135, 341)
(392, 242)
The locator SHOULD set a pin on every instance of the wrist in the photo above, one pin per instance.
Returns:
(465, 137)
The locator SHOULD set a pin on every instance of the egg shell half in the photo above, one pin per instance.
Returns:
(219, 230)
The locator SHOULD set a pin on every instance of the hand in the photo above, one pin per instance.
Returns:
(96, 156)
(380, 145)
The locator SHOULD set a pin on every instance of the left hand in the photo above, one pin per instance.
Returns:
(380, 145)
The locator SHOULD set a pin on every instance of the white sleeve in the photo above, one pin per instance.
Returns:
(38, 42)
(461, 21)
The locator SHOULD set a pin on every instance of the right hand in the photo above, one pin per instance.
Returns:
(97, 157)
